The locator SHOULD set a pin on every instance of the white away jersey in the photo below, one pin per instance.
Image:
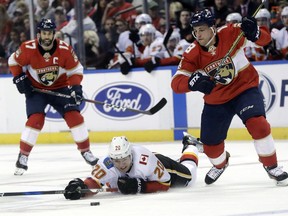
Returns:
(145, 165)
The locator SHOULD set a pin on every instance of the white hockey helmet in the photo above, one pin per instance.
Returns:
(119, 148)
(263, 13)
(142, 19)
(234, 18)
(284, 11)
(175, 35)
(148, 28)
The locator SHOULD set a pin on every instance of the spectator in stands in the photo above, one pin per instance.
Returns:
(27, 26)
(91, 42)
(5, 26)
(108, 38)
(56, 3)
(116, 6)
(184, 22)
(14, 44)
(220, 11)
(245, 7)
(12, 7)
(89, 7)
(153, 11)
(18, 20)
(68, 6)
(281, 37)
(174, 10)
(100, 8)
(45, 11)
(23, 37)
(23, 6)
(70, 30)
(60, 18)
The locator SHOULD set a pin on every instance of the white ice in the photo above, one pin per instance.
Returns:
(243, 189)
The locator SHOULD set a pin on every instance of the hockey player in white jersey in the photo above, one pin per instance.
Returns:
(134, 169)
(281, 37)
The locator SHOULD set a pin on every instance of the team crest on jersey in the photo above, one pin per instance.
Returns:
(144, 159)
(48, 75)
(108, 163)
(225, 73)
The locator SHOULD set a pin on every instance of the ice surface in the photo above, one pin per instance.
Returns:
(244, 188)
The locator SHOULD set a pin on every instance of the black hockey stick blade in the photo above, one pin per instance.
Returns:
(31, 193)
(158, 106)
(152, 111)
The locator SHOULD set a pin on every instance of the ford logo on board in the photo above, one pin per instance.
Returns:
(268, 90)
(121, 95)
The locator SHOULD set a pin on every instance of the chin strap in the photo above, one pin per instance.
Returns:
(214, 34)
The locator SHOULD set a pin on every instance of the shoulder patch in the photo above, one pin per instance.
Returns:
(144, 159)
(108, 163)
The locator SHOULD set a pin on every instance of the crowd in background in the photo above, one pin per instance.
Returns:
(135, 39)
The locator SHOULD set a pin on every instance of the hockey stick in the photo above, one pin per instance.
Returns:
(216, 75)
(166, 39)
(151, 111)
(28, 193)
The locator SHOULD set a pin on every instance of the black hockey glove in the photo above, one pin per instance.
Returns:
(131, 185)
(135, 38)
(23, 84)
(77, 94)
(125, 67)
(250, 28)
(200, 82)
(73, 189)
(153, 63)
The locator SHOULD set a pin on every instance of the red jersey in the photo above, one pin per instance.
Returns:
(237, 73)
(52, 69)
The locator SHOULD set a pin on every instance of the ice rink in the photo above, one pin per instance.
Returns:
(244, 188)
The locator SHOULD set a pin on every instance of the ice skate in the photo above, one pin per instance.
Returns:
(214, 173)
(276, 173)
(89, 158)
(190, 140)
(21, 164)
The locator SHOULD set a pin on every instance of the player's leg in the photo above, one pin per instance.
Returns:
(182, 173)
(189, 159)
(252, 112)
(35, 105)
(215, 122)
(75, 121)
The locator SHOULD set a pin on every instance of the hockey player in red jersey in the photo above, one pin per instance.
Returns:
(233, 90)
(134, 169)
(49, 63)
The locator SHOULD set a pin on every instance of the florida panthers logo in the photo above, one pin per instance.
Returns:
(48, 76)
(223, 74)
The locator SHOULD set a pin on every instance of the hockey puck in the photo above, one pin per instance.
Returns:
(94, 203)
